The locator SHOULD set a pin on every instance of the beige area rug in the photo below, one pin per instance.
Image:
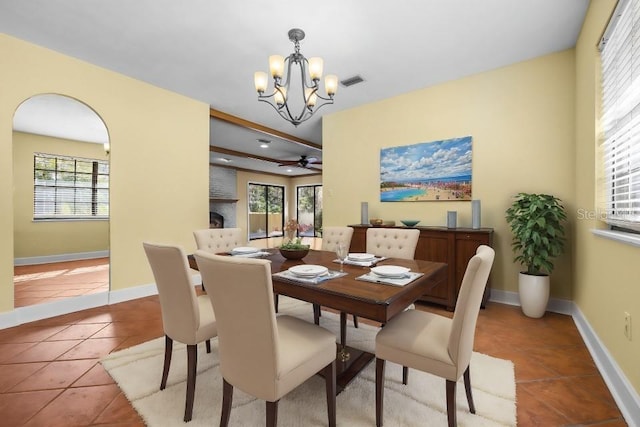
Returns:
(137, 370)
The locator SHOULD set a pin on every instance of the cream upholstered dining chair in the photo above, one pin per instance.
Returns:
(436, 344)
(186, 318)
(219, 240)
(261, 354)
(331, 236)
(392, 242)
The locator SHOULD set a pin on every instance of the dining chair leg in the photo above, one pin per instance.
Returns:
(467, 388)
(451, 403)
(192, 361)
(207, 343)
(316, 314)
(272, 414)
(405, 375)
(355, 321)
(330, 383)
(379, 390)
(276, 301)
(168, 349)
(227, 399)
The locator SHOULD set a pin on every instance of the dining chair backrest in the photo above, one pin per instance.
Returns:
(331, 236)
(178, 301)
(219, 240)
(392, 242)
(248, 344)
(468, 306)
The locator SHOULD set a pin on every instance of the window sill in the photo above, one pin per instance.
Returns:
(619, 236)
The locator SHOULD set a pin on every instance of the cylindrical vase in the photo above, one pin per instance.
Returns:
(452, 217)
(364, 213)
(475, 214)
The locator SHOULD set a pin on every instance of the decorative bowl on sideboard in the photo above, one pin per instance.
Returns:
(409, 222)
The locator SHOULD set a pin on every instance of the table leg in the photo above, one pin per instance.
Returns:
(343, 354)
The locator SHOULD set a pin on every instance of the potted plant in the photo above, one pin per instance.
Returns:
(537, 224)
(294, 249)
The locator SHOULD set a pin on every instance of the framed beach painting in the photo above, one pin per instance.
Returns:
(428, 171)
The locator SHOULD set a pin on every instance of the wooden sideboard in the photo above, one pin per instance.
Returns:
(454, 246)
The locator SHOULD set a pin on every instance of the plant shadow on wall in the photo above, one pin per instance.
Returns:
(537, 223)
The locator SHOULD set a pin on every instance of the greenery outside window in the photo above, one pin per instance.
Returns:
(70, 188)
(620, 145)
(309, 210)
(266, 211)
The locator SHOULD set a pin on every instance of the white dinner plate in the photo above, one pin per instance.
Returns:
(361, 257)
(390, 271)
(244, 250)
(308, 270)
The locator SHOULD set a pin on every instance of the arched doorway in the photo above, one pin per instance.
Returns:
(61, 201)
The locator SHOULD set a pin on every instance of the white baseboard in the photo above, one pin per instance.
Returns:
(60, 258)
(623, 393)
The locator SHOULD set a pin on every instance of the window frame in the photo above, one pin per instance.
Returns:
(50, 209)
(619, 145)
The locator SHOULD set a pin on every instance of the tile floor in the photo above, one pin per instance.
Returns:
(35, 284)
(50, 375)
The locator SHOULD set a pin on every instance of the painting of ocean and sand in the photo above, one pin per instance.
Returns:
(429, 171)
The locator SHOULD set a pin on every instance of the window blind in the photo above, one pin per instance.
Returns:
(620, 147)
(69, 187)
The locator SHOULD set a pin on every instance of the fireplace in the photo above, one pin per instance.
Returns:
(216, 220)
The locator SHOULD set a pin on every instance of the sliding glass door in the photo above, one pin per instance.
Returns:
(309, 210)
(266, 207)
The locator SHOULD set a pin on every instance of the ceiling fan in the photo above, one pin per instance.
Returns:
(304, 162)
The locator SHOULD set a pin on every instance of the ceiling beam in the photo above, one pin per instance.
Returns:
(266, 173)
(258, 127)
(221, 150)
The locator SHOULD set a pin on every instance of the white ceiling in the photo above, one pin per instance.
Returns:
(209, 50)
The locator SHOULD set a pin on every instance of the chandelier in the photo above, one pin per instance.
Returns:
(282, 99)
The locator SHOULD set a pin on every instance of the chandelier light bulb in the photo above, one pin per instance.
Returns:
(276, 66)
(331, 84)
(280, 95)
(315, 68)
(260, 80)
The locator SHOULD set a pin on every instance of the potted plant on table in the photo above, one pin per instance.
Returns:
(293, 248)
(537, 224)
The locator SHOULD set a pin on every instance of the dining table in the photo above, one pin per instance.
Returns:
(350, 289)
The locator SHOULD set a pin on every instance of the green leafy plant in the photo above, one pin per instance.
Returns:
(294, 245)
(536, 221)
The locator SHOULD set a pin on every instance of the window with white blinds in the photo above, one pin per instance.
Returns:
(69, 188)
(620, 59)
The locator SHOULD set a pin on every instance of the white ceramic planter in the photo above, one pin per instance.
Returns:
(534, 294)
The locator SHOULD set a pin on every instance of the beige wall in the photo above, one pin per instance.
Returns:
(521, 120)
(159, 156)
(35, 239)
(606, 273)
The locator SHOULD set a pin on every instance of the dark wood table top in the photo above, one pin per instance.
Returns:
(370, 300)
(375, 301)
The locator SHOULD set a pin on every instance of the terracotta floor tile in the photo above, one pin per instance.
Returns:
(579, 399)
(44, 351)
(93, 348)
(9, 351)
(534, 413)
(77, 332)
(95, 376)
(17, 408)
(55, 375)
(10, 375)
(565, 361)
(75, 407)
(29, 333)
(120, 410)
